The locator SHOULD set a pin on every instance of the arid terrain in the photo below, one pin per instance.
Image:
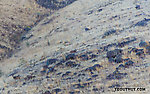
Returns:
(74, 46)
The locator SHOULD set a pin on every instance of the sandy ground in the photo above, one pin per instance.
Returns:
(90, 41)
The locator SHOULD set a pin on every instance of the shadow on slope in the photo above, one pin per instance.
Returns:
(54, 4)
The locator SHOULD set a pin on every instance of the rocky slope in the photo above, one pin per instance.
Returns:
(89, 47)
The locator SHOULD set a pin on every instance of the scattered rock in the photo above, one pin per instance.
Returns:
(70, 56)
(87, 29)
(51, 69)
(73, 51)
(94, 60)
(71, 64)
(93, 68)
(93, 56)
(97, 66)
(28, 77)
(95, 89)
(143, 44)
(138, 7)
(43, 70)
(71, 92)
(126, 42)
(143, 22)
(90, 12)
(116, 75)
(129, 63)
(148, 49)
(126, 59)
(118, 59)
(68, 78)
(119, 67)
(133, 50)
(93, 76)
(56, 90)
(79, 80)
(59, 64)
(81, 74)
(115, 16)
(84, 57)
(26, 37)
(66, 74)
(89, 79)
(28, 28)
(75, 73)
(51, 61)
(47, 92)
(99, 10)
(17, 77)
(105, 48)
(59, 73)
(83, 85)
(115, 55)
(140, 52)
(114, 86)
(108, 33)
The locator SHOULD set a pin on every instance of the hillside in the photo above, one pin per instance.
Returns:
(87, 47)
(17, 18)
